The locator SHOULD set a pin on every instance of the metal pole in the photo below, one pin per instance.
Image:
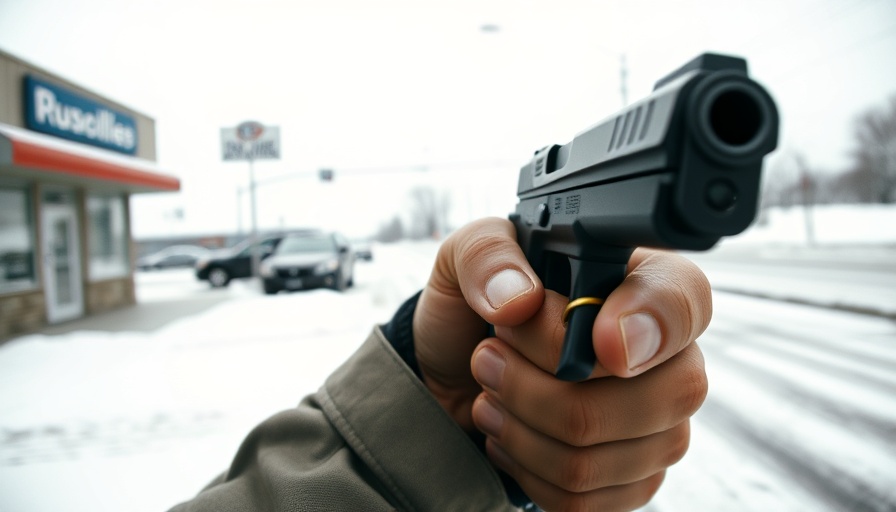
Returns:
(239, 210)
(808, 191)
(254, 236)
(623, 80)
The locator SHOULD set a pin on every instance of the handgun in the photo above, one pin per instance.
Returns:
(678, 169)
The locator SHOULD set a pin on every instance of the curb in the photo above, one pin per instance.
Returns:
(850, 308)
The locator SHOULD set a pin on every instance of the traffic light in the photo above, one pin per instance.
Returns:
(326, 174)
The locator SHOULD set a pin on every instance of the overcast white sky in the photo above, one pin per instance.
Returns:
(363, 85)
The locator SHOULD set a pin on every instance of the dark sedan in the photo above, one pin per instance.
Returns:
(220, 268)
(310, 260)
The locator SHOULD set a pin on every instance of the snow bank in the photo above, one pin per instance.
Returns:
(871, 224)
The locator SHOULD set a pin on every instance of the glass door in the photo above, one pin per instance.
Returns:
(61, 261)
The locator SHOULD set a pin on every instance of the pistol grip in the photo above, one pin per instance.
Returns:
(589, 279)
(577, 357)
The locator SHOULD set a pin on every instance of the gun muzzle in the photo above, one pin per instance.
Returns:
(735, 120)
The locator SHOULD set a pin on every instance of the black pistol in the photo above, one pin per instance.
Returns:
(678, 169)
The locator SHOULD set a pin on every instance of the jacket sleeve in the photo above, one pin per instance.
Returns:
(372, 438)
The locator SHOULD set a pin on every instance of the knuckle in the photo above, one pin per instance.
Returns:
(478, 247)
(651, 487)
(470, 243)
(678, 445)
(696, 298)
(642, 492)
(578, 474)
(582, 423)
(573, 503)
(693, 389)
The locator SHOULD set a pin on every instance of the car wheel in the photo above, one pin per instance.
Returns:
(218, 277)
(339, 283)
(270, 288)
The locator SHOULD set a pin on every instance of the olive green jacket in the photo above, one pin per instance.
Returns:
(372, 438)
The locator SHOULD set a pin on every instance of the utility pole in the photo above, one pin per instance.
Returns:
(807, 187)
(623, 79)
(254, 250)
(250, 141)
(239, 210)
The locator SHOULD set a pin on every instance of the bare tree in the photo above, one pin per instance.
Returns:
(391, 231)
(850, 187)
(875, 152)
(781, 182)
(791, 181)
(429, 212)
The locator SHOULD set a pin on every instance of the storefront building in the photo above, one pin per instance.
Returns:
(69, 162)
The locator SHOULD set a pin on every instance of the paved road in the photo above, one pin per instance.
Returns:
(850, 279)
(811, 393)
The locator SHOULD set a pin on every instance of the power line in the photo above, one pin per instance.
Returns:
(802, 17)
(814, 18)
(844, 50)
(393, 169)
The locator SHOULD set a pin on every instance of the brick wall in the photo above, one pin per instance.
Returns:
(109, 294)
(21, 313)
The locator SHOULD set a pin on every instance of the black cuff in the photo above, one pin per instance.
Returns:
(400, 333)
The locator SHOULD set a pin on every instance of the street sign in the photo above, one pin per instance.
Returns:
(250, 140)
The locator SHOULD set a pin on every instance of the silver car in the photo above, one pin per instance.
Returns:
(309, 260)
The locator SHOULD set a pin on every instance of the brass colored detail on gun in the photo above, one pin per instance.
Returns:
(581, 301)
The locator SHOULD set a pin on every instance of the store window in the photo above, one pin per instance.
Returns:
(17, 269)
(107, 237)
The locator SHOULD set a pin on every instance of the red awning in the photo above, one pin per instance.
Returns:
(29, 154)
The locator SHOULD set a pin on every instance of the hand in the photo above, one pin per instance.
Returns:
(480, 276)
(599, 444)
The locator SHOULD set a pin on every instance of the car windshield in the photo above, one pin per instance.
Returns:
(300, 244)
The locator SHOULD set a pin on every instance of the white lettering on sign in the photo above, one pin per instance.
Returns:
(97, 125)
(264, 143)
(257, 151)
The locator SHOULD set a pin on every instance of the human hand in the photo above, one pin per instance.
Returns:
(480, 276)
(603, 443)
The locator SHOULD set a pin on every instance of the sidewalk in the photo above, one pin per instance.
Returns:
(141, 317)
(878, 256)
(856, 279)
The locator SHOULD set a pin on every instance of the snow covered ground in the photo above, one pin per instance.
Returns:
(801, 413)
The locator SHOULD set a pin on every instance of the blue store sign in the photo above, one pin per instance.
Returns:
(57, 111)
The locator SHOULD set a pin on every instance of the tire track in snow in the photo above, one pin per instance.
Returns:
(836, 487)
(835, 411)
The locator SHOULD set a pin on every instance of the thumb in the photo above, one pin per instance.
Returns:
(482, 268)
(663, 305)
(480, 276)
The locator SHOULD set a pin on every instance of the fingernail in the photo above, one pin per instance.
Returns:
(641, 338)
(505, 286)
(488, 365)
(489, 419)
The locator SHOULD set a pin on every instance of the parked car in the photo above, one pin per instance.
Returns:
(309, 260)
(362, 249)
(173, 256)
(234, 263)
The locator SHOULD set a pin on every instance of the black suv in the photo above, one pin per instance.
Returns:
(234, 263)
(309, 260)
